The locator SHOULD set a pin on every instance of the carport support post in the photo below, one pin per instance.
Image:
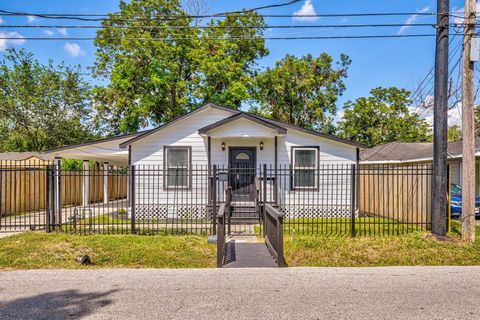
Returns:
(58, 193)
(105, 182)
(86, 184)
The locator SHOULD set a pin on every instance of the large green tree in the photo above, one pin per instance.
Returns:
(160, 64)
(42, 106)
(302, 91)
(382, 117)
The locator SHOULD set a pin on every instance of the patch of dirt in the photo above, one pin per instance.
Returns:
(443, 238)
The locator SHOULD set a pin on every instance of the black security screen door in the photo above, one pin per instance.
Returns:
(242, 173)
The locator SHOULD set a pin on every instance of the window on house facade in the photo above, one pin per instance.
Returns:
(177, 167)
(305, 165)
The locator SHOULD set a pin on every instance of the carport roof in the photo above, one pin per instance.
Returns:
(102, 150)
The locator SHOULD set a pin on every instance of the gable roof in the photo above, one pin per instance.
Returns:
(243, 115)
(175, 121)
(264, 121)
(410, 152)
(313, 132)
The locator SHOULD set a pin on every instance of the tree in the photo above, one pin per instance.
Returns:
(454, 133)
(226, 67)
(160, 68)
(301, 91)
(41, 106)
(382, 117)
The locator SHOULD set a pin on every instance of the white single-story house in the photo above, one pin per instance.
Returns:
(174, 161)
(411, 153)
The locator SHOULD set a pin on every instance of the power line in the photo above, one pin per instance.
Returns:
(230, 38)
(103, 17)
(450, 71)
(70, 15)
(224, 27)
(429, 76)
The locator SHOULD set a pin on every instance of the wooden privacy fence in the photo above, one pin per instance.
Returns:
(399, 192)
(24, 189)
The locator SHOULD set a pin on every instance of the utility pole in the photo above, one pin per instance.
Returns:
(468, 127)
(440, 123)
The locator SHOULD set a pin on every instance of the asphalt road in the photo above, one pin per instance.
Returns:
(306, 293)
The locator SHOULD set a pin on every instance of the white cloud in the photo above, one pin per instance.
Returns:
(2, 21)
(459, 13)
(307, 9)
(5, 43)
(454, 113)
(31, 19)
(339, 116)
(411, 20)
(74, 49)
(62, 31)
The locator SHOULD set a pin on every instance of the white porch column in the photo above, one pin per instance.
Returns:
(86, 184)
(105, 182)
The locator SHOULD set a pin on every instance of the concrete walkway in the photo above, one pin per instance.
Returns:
(269, 293)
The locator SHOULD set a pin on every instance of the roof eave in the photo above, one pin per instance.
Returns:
(125, 144)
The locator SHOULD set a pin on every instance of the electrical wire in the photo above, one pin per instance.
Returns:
(386, 25)
(230, 38)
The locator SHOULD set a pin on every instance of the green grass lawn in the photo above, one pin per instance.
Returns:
(416, 248)
(39, 250)
(370, 226)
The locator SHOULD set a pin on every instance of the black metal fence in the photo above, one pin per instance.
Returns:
(350, 200)
(341, 199)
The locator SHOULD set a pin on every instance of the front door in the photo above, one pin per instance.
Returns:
(242, 173)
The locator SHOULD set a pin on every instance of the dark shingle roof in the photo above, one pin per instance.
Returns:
(409, 151)
(23, 155)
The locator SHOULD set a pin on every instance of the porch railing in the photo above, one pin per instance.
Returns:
(221, 239)
(273, 226)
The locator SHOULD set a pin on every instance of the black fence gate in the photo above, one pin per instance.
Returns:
(27, 195)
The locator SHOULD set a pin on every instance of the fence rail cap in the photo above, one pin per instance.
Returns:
(273, 212)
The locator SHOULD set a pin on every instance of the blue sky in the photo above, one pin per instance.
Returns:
(375, 62)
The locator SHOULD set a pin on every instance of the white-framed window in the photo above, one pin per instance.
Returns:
(305, 166)
(177, 166)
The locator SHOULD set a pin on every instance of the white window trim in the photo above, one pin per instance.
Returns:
(315, 168)
(167, 167)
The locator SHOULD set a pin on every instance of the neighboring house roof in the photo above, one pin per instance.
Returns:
(250, 116)
(17, 156)
(395, 152)
(242, 115)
